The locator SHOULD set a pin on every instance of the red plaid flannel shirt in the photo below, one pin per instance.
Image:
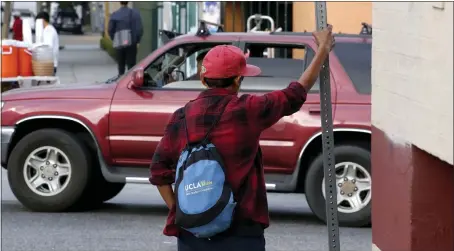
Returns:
(236, 137)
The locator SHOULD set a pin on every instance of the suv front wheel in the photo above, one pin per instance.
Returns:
(353, 185)
(48, 170)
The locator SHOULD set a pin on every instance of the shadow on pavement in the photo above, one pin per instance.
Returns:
(281, 216)
(161, 210)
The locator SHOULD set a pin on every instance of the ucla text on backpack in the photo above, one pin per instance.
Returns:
(205, 202)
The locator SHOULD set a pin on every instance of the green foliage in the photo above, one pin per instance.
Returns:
(106, 44)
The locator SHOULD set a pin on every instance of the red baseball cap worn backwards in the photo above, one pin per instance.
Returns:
(227, 61)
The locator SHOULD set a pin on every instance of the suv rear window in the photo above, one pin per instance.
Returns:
(356, 60)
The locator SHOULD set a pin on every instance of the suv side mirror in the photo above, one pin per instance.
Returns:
(136, 79)
(178, 75)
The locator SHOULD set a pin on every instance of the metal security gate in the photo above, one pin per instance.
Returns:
(234, 15)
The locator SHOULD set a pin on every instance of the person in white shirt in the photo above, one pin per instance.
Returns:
(50, 37)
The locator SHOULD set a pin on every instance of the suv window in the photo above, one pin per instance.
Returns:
(280, 65)
(356, 60)
(175, 63)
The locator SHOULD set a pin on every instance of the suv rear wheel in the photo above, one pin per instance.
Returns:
(48, 170)
(103, 191)
(353, 176)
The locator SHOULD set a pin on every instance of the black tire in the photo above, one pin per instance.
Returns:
(109, 190)
(99, 189)
(79, 159)
(314, 181)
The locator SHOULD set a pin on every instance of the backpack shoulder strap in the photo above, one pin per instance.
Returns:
(186, 124)
(212, 126)
(216, 121)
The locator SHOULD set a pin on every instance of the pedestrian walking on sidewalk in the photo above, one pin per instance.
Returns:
(210, 150)
(17, 27)
(50, 37)
(125, 31)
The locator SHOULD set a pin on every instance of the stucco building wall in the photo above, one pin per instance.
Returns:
(346, 17)
(412, 126)
(412, 74)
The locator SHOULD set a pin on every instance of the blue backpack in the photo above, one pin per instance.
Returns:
(204, 199)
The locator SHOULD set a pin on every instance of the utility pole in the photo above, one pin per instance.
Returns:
(6, 16)
(329, 163)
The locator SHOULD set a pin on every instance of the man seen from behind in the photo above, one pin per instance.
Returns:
(233, 126)
(125, 31)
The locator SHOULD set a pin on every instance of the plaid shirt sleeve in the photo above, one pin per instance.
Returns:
(163, 164)
(267, 109)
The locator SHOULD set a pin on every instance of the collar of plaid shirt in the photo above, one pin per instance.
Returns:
(211, 92)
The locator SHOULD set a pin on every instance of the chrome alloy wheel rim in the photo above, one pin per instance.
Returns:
(47, 171)
(354, 187)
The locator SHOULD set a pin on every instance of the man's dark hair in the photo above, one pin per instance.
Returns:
(43, 15)
(201, 56)
(124, 3)
(220, 82)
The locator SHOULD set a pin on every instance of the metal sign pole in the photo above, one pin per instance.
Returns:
(328, 141)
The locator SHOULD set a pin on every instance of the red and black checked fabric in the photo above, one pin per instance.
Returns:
(236, 137)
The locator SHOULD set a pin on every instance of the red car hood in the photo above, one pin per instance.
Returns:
(73, 91)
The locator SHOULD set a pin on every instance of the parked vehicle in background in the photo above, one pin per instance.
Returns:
(67, 20)
(26, 16)
(73, 146)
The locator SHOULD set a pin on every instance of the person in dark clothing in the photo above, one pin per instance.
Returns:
(126, 19)
(17, 27)
(241, 120)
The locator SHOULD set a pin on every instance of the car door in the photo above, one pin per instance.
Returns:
(282, 143)
(138, 117)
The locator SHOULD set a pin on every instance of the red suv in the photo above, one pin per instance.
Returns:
(69, 147)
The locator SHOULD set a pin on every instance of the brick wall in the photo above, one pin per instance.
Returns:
(412, 74)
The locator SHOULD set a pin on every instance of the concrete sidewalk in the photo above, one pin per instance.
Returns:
(85, 66)
(83, 61)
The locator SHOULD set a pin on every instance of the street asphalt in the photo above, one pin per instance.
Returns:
(133, 220)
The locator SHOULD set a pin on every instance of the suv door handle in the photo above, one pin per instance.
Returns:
(316, 111)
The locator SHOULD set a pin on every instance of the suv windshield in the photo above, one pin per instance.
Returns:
(356, 58)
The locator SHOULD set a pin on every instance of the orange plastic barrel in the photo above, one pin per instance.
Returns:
(25, 60)
(10, 66)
